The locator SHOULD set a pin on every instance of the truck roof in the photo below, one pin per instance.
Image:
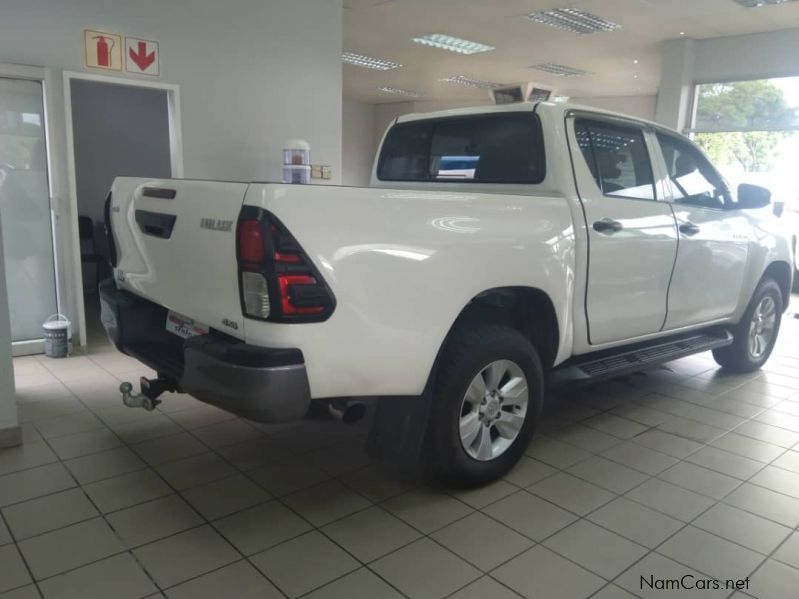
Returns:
(552, 107)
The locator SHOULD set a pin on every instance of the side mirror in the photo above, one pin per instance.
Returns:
(779, 208)
(751, 197)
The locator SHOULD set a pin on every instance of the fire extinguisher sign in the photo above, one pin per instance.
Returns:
(102, 50)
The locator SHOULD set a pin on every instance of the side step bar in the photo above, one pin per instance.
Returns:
(616, 362)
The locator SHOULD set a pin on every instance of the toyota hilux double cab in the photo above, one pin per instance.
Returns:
(498, 251)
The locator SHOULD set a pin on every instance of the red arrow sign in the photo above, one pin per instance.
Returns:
(141, 58)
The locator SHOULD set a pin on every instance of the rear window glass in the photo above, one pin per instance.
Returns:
(492, 148)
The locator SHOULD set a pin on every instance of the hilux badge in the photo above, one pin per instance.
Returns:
(215, 224)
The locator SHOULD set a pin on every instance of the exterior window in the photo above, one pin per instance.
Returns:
(486, 148)
(617, 158)
(693, 179)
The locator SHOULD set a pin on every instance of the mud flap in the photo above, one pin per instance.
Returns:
(398, 432)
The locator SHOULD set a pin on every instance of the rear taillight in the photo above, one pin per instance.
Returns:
(251, 242)
(277, 280)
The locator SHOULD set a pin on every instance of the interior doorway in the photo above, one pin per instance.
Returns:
(115, 127)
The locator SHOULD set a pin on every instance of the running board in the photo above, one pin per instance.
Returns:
(624, 360)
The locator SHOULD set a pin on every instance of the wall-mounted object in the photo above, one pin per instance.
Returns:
(141, 57)
(102, 50)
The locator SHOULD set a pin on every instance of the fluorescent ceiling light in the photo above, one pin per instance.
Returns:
(573, 19)
(469, 82)
(368, 62)
(453, 44)
(759, 3)
(399, 91)
(560, 70)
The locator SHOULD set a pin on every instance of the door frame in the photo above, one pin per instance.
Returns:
(176, 161)
(52, 156)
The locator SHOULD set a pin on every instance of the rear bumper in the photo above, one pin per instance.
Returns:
(263, 384)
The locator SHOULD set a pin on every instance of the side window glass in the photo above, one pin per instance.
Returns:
(617, 158)
(693, 178)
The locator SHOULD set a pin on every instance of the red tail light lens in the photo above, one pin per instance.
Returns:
(287, 258)
(251, 241)
(277, 280)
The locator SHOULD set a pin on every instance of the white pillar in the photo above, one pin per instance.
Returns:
(675, 95)
(9, 428)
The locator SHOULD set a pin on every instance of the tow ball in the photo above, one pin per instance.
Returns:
(150, 390)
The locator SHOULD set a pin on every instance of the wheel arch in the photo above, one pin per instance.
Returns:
(529, 310)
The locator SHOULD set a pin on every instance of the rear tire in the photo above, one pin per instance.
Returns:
(754, 337)
(487, 400)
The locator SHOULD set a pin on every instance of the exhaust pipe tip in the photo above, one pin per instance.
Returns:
(348, 412)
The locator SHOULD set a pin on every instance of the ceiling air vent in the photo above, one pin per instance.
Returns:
(560, 70)
(539, 94)
(573, 19)
(508, 95)
(520, 92)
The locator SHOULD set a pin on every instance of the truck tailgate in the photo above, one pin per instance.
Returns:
(176, 246)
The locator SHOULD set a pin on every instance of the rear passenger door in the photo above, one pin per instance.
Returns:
(632, 236)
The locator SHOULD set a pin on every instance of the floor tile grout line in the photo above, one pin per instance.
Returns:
(535, 542)
(237, 468)
(511, 483)
(103, 515)
(686, 525)
(107, 523)
(24, 559)
(289, 507)
(654, 549)
(770, 556)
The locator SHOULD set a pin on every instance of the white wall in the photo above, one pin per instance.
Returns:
(755, 56)
(252, 73)
(639, 106)
(8, 401)
(357, 142)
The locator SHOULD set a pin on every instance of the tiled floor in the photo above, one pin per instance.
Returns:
(680, 471)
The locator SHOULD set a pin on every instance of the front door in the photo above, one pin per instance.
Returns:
(632, 236)
(711, 260)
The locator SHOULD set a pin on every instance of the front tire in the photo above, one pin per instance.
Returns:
(487, 400)
(754, 337)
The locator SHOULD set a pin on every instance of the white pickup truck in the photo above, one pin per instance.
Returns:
(497, 251)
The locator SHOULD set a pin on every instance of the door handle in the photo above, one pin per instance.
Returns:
(607, 225)
(689, 229)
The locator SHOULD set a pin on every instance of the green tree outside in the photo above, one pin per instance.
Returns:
(757, 106)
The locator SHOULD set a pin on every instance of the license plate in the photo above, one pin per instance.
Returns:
(182, 326)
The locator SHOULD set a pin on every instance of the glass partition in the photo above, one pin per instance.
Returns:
(25, 208)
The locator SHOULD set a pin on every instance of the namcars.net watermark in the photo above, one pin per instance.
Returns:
(689, 582)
